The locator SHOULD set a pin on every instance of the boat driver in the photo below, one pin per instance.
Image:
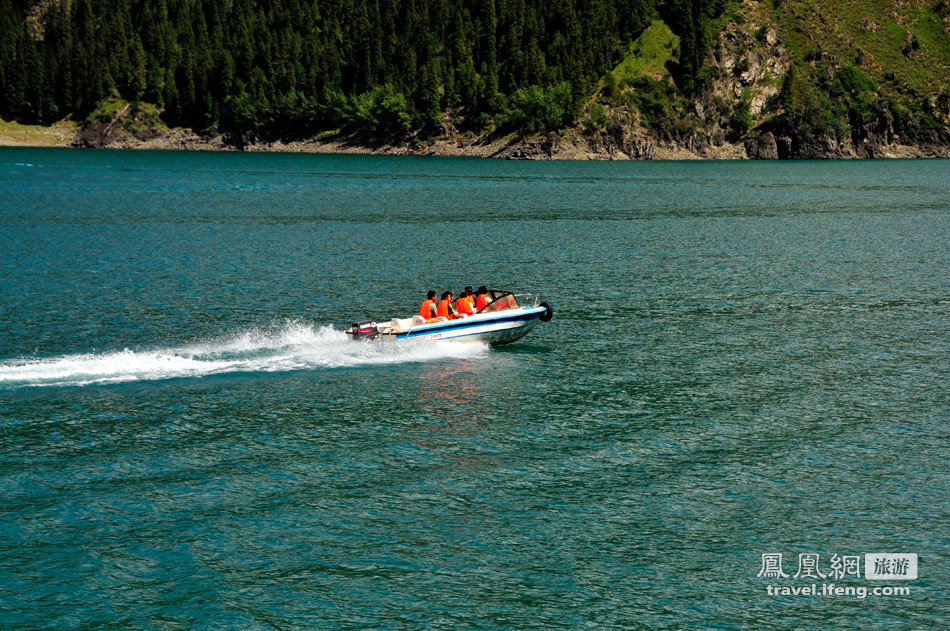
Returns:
(482, 298)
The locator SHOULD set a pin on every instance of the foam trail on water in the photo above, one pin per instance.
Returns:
(291, 346)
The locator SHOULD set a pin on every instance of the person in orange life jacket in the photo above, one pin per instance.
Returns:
(464, 306)
(445, 309)
(466, 302)
(428, 308)
(481, 298)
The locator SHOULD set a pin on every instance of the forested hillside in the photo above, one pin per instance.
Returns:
(615, 78)
(298, 66)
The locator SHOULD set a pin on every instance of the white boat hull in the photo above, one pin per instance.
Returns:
(500, 327)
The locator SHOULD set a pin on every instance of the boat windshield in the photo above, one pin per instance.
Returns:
(500, 300)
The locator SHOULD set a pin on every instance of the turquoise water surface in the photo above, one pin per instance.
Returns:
(745, 358)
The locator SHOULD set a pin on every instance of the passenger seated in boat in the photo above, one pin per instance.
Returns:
(428, 310)
(481, 298)
(445, 309)
(465, 305)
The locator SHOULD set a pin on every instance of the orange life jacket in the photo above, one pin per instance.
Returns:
(442, 310)
(482, 301)
(464, 305)
(425, 310)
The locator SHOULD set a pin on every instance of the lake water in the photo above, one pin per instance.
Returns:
(745, 359)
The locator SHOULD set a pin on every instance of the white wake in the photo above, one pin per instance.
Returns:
(290, 346)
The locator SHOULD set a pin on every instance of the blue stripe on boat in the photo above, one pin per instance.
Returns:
(528, 315)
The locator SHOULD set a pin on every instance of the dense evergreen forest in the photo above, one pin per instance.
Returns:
(296, 67)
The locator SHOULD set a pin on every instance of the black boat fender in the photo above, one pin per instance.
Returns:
(548, 312)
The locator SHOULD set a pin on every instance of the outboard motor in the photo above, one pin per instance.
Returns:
(365, 330)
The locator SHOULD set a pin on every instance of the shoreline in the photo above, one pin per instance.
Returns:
(569, 145)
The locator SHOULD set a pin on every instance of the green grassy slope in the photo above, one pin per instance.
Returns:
(904, 47)
(648, 55)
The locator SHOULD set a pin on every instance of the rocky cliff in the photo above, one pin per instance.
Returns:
(803, 81)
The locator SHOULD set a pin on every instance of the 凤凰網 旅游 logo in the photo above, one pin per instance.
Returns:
(878, 566)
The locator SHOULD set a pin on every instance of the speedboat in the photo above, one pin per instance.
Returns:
(508, 317)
